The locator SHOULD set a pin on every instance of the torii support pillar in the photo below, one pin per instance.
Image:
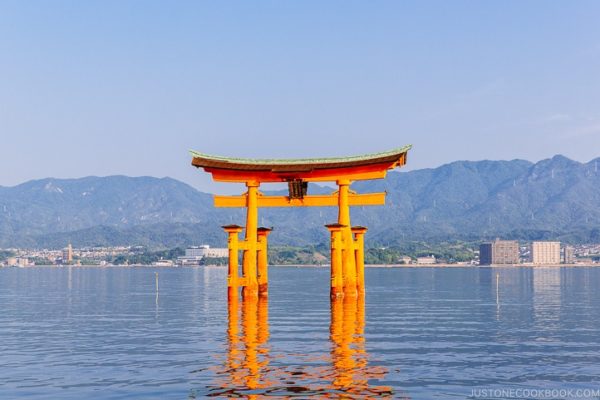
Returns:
(250, 244)
(233, 280)
(263, 263)
(348, 257)
(337, 277)
(359, 255)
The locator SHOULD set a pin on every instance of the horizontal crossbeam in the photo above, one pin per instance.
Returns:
(328, 200)
(327, 175)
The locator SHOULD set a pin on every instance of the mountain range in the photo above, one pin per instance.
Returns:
(556, 198)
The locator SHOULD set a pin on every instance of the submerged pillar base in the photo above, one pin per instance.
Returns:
(263, 289)
(232, 293)
(336, 293)
(249, 292)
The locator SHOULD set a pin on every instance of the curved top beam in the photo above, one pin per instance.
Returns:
(296, 161)
(368, 166)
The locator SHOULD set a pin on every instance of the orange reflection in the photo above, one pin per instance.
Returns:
(349, 356)
(343, 373)
(247, 351)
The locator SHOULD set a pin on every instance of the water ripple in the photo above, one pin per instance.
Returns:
(424, 333)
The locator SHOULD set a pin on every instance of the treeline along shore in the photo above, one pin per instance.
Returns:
(408, 254)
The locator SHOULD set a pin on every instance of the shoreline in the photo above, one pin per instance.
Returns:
(528, 265)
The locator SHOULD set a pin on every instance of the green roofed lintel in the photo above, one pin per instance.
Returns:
(276, 161)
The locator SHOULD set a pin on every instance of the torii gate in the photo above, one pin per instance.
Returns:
(347, 242)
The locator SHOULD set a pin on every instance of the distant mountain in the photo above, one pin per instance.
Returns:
(554, 198)
(109, 210)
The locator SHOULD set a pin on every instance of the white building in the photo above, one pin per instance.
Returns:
(545, 253)
(193, 255)
(206, 251)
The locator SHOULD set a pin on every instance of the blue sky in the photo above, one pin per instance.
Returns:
(127, 87)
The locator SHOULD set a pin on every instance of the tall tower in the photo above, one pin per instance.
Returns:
(67, 255)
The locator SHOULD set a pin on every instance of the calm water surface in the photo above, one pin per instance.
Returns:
(421, 333)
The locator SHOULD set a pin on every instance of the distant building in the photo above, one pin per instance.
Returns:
(163, 263)
(206, 251)
(193, 255)
(426, 260)
(67, 254)
(405, 260)
(499, 252)
(18, 261)
(569, 255)
(545, 253)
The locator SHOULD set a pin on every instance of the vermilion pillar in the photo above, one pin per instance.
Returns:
(250, 245)
(359, 255)
(233, 246)
(263, 264)
(348, 258)
(337, 274)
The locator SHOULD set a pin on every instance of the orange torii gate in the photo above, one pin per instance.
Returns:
(347, 242)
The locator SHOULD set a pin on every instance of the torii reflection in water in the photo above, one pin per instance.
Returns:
(248, 370)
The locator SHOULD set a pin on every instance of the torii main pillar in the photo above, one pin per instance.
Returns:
(251, 243)
(347, 242)
(348, 259)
